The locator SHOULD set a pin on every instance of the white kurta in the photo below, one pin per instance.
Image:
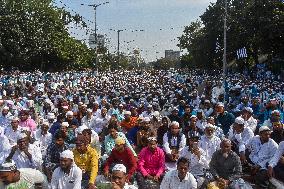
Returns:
(209, 145)
(61, 180)
(261, 154)
(171, 181)
(241, 139)
(279, 153)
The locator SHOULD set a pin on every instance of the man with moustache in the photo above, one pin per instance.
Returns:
(68, 175)
(225, 165)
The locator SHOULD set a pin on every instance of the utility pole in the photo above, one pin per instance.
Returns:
(225, 50)
(95, 6)
(118, 43)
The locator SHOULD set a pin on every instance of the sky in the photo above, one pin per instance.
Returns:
(161, 22)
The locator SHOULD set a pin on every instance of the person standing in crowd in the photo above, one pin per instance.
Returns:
(67, 175)
(179, 178)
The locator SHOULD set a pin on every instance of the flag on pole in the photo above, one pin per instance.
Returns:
(242, 53)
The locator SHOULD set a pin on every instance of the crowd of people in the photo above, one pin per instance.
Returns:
(184, 129)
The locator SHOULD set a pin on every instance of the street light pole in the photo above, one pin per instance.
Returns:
(118, 43)
(225, 50)
(95, 6)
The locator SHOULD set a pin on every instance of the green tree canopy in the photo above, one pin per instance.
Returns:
(33, 35)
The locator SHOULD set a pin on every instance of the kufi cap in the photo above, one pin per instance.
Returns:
(21, 136)
(45, 122)
(220, 104)
(240, 121)
(89, 110)
(69, 113)
(146, 119)
(207, 101)
(8, 166)
(209, 125)
(127, 113)
(174, 123)
(248, 109)
(149, 106)
(50, 116)
(119, 167)
(264, 128)
(193, 116)
(15, 119)
(119, 141)
(275, 111)
(67, 154)
(66, 124)
(81, 129)
(6, 108)
(65, 107)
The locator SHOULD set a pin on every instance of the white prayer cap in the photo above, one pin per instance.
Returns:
(45, 122)
(15, 119)
(248, 109)
(240, 121)
(21, 136)
(127, 113)
(65, 124)
(174, 123)
(193, 116)
(50, 116)
(81, 129)
(89, 110)
(67, 154)
(220, 104)
(119, 167)
(146, 119)
(264, 128)
(6, 108)
(69, 113)
(275, 111)
(65, 107)
(209, 125)
(156, 114)
(8, 166)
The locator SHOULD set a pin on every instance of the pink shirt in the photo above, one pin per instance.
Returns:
(151, 163)
(30, 123)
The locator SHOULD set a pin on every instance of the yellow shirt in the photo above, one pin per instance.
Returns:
(87, 162)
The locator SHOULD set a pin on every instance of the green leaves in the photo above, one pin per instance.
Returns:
(257, 25)
(33, 36)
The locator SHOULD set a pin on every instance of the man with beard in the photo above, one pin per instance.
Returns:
(278, 132)
(27, 178)
(68, 175)
(261, 149)
(24, 154)
(5, 117)
(225, 165)
(209, 142)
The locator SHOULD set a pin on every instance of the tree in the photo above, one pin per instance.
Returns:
(33, 35)
(256, 25)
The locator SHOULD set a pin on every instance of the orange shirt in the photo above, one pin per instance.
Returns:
(127, 125)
